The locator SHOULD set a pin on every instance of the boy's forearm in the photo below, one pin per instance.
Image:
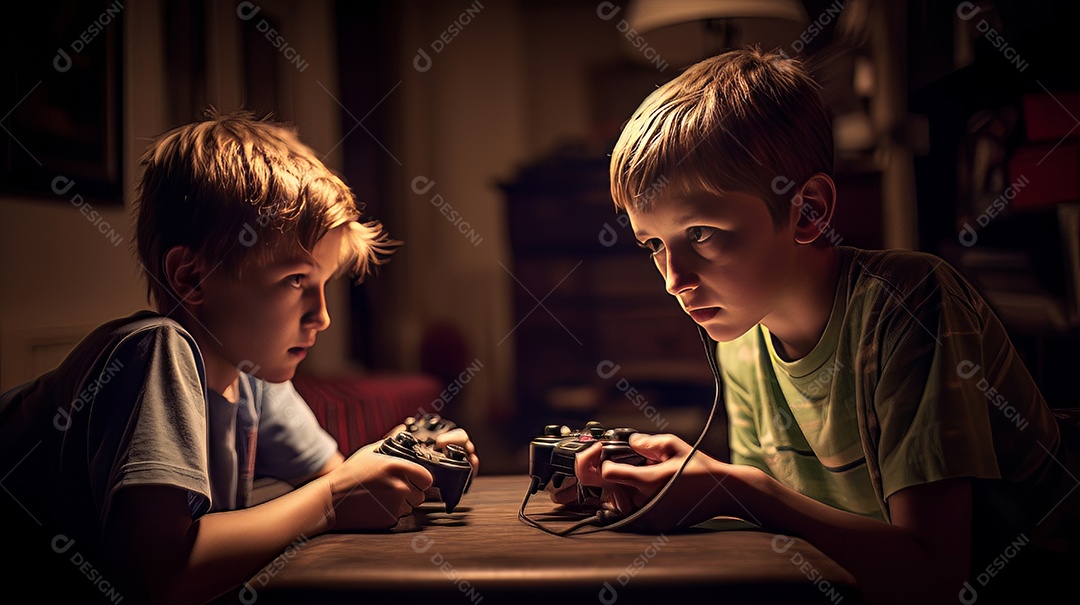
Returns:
(889, 562)
(220, 551)
(232, 546)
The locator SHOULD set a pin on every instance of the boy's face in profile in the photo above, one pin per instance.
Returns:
(264, 321)
(721, 257)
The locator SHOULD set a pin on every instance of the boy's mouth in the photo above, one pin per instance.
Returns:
(300, 352)
(703, 314)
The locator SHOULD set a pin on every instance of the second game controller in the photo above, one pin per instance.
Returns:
(552, 456)
(450, 469)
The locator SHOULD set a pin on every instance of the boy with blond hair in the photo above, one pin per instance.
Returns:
(856, 382)
(136, 456)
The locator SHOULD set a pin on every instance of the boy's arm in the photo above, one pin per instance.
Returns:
(172, 558)
(921, 557)
(333, 463)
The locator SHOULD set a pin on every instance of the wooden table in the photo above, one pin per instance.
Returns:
(482, 553)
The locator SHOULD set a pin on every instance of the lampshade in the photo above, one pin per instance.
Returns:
(647, 15)
(686, 31)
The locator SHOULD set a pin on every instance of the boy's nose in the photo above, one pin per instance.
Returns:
(678, 277)
(319, 316)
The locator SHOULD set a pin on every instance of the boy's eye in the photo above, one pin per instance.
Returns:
(698, 235)
(295, 280)
(652, 245)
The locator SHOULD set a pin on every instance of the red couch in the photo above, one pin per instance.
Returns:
(359, 409)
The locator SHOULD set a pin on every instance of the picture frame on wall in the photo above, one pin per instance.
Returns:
(60, 107)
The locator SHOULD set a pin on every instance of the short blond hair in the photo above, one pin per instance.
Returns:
(238, 189)
(744, 120)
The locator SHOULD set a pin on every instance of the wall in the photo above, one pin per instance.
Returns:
(512, 84)
(60, 276)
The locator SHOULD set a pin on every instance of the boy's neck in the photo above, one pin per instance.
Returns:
(221, 376)
(798, 329)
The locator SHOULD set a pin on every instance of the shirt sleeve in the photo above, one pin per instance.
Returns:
(291, 444)
(148, 418)
(927, 420)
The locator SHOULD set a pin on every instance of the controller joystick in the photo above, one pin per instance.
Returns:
(450, 470)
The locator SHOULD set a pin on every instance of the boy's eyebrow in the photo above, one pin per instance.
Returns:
(689, 218)
(294, 260)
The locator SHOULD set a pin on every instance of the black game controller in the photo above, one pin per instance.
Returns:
(552, 455)
(427, 428)
(449, 468)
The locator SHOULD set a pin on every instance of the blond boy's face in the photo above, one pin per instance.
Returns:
(265, 321)
(721, 257)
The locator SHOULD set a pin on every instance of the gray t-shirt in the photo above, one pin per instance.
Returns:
(130, 406)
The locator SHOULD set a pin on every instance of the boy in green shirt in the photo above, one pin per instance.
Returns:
(876, 406)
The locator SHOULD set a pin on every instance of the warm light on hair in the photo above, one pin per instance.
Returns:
(237, 190)
(735, 122)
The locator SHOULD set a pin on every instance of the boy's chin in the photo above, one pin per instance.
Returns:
(275, 376)
(722, 333)
(279, 378)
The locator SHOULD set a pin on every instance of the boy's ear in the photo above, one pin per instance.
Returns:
(812, 216)
(183, 272)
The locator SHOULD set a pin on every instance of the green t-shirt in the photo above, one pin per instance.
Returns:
(913, 381)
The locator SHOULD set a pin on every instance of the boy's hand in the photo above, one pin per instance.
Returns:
(691, 500)
(456, 436)
(566, 494)
(372, 491)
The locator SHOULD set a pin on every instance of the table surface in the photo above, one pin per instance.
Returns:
(483, 553)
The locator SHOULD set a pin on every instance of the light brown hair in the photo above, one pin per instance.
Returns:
(238, 189)
(745, 120)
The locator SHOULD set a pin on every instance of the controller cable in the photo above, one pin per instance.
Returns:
(598, 520)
